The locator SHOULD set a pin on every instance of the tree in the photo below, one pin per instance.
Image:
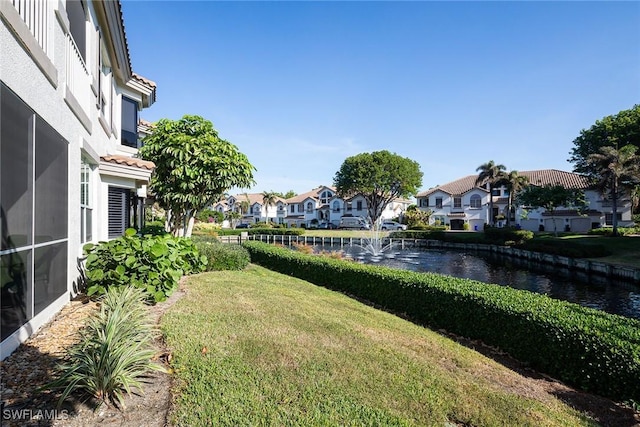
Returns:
(194, 168)
(269, 198)
(289, 194)
(514, 183)
(551, 197)
(380, 177)
(416, 218)
(616, 130)
(490, 173)
(618, 172)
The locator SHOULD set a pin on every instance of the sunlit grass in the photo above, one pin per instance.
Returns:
(259, 348)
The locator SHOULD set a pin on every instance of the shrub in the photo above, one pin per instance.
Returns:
(608, 231)
(277, 231)
(206, 228)
(501, 235)
(223, 256)
(114, 351)
(153, 228)
(597, 351)
(154, 264)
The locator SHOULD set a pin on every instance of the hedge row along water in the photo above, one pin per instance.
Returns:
(594, 350)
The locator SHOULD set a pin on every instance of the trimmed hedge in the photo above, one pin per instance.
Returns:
(591, 349)
(608, 231)
(266, 231)
(223, 256)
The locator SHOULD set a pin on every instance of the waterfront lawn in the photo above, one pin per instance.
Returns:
(255, 347)
(624, 250)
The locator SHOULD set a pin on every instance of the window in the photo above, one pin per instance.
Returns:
(336, 206)
(33, 213)
(495, 192)
(476, 201)
(424, 203)
(309, 207)
(359, 205)
(86, 205)
(119, 211)
(457, 202)
(608, 218)
(438, 202)
(256, 210)
(293, 208)
(78, 26)
(325, 196)
(129, 133)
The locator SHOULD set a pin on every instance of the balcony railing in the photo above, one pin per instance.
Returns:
(78, 79)
(36, 14)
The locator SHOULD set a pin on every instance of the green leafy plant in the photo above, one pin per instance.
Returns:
(223, 256)
(154, 264)
(114, 351)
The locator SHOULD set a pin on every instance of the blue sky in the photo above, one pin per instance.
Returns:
(301, 86)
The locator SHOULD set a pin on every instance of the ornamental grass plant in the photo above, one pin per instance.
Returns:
(114, 353)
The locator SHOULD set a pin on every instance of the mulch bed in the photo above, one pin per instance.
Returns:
(32, 365)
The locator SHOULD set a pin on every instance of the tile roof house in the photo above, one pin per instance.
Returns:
(69, 120)
(462, 201)
(320, 205)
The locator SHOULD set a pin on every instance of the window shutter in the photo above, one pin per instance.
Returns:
(118, 211)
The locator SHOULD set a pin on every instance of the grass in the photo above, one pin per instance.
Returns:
(624, 250)
(258, 348)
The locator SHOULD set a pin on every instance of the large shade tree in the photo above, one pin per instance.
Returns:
(194, 168)
(379, 177)
(617, 174)
(616, 130)
(490, 173)
(551, 197)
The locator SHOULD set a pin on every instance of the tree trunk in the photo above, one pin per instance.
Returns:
(614, 207)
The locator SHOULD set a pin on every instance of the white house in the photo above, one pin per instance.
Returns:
(323, 205)
(69, 124)
(252, 208)
(463, 202)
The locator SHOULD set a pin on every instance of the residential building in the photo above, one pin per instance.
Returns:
(252, 208)
(69, 136)
(320, 205)
(463, 202)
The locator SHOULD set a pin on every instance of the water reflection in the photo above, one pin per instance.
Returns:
(610, 295)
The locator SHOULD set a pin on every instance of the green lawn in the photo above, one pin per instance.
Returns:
(624, 250)
(258, 348)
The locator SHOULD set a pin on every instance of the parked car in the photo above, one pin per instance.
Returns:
(354, 222)
(328, 226)
(242, 226)
(392, 225)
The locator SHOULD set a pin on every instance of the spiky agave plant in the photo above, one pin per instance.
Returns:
(114, 352)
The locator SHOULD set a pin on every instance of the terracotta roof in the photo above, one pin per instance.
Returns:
(314, 194)
(128, 161)
(536, 177)
(459, 186)
(143, 80)
(253, 198)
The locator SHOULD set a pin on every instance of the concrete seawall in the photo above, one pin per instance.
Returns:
(626, 273)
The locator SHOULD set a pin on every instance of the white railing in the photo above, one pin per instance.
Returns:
(78, 79)
(36, 14)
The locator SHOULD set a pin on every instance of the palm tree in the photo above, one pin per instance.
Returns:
(490, 173)
(617, 170)
(514, 183)
(269, 198)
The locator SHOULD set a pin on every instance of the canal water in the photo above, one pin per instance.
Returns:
(613, 296)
